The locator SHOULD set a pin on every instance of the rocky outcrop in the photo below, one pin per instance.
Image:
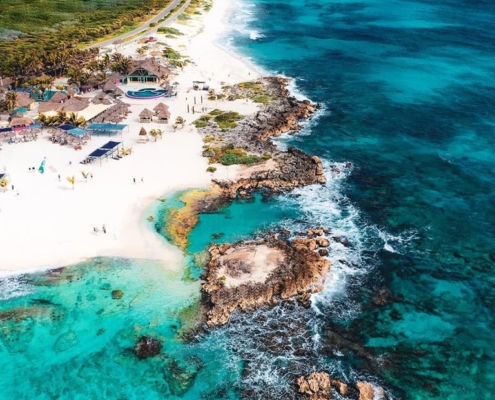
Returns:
(318, 385)
(295, 168)
(253, 133)
(367, 391)
(147, 347)
(249, 275)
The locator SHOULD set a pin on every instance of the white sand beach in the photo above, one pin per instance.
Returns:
(47, 223)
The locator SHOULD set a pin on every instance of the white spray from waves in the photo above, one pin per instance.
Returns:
(242, 20)
(14, 286)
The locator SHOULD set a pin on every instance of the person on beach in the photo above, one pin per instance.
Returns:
(134, 180)
(12, 187)
(59, 177)
(104, 228)
(142, 180)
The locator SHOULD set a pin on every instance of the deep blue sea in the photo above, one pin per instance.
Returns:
(408, 95)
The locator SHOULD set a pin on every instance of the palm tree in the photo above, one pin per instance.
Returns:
(72, 181)
(11, 100)
(180, 121)
(155, 133)
(85, 175)
(42, 119)
(75, 75)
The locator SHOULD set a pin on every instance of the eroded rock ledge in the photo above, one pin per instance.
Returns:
(251, 274)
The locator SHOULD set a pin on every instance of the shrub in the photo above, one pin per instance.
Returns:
(208, 139)
(227, 120)
(222, 278)
(171, 31)
(211, 169)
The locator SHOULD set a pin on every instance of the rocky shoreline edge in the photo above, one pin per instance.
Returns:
(276, 171)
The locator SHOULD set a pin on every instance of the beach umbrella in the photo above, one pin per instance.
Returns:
(143, 132)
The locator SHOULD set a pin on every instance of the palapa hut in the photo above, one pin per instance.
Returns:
(58, 97)
(24, 100)
(118, 93)
(109, 87)
(114, 77)
(159, 107)
(75, 104)
(143, 135)
(145, 116)
(21, 122)
(163, 116)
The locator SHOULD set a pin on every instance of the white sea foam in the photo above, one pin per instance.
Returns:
(14, 286)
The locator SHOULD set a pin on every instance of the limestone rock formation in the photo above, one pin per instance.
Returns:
(317, 386)
(367, 391)
(252, 274)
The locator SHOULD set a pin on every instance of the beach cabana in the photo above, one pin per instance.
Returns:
(145, 116)
(159, 107)
(163, 116)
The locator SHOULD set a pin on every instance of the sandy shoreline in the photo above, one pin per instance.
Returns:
(45, 223)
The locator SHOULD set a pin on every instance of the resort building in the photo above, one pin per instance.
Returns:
(146, 71)
(24, 100)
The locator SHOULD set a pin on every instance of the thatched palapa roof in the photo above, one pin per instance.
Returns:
(163, 114)
(146, 114)
(109, 87)
(24, 100)
(159, 107)
(75, 105)
(143, 132)
(58, 97)
(21, 121)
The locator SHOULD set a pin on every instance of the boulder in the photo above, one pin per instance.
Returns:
(368, 391)
(316, 385)
(322, 242)
(147, 347)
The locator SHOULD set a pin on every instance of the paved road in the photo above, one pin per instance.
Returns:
(145, 25)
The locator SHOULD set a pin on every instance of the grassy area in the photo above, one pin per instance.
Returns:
(46, 23)
(230, 155)
(224, 120)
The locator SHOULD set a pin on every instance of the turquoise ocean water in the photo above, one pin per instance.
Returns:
(408, 95)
